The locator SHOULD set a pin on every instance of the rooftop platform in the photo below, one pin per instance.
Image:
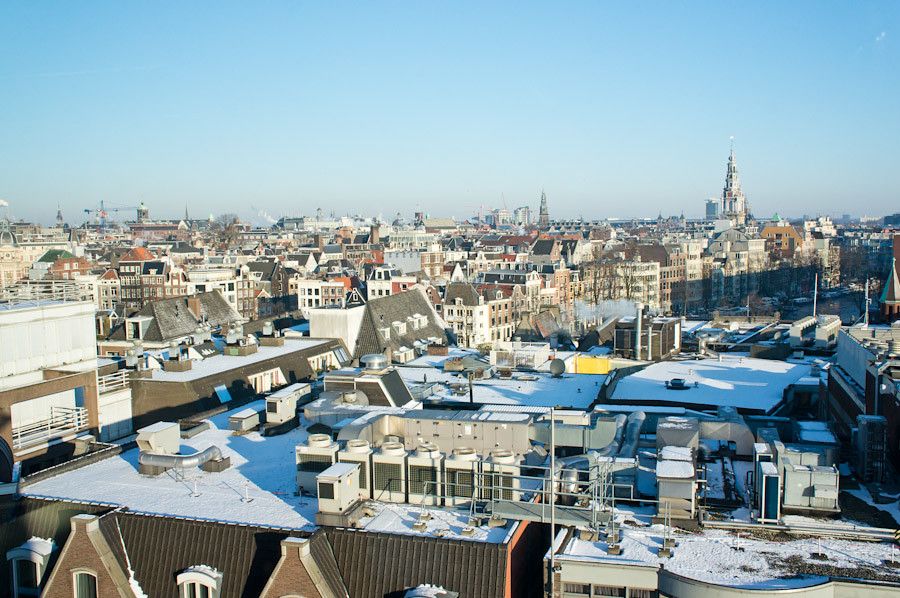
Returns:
(733, 380)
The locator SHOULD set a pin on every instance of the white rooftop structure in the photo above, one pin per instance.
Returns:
(732, 380)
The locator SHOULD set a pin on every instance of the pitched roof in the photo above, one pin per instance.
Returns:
(138, 254)
(375, 564)
(24, 518)
(54, 254)
(172, 319)
(543, 247)
(160, 547)
(381, 312)
(461, 290)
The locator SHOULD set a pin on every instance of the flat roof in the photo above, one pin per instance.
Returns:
(214, 364)
(262, 468)
(720, 557)
(734, 381)
(528, 389)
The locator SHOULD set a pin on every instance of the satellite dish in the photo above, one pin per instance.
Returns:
(557, 368)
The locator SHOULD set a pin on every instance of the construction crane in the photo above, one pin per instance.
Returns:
(101, 213)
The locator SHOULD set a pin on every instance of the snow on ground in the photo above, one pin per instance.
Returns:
(718, 556)
(399, 519)
(262, 468)
(734, 380)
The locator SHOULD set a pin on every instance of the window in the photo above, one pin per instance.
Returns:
(28, 563)
(85, 584)
(577, 588)
(641, 593)
(609, 591)
(200, 581)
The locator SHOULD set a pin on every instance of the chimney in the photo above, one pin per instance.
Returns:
(375, 234)
(193, 305)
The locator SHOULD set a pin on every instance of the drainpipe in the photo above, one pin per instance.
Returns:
(637, 330)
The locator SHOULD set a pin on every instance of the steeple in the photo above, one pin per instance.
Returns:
(59, 216)
(734, 204)
(544, 213)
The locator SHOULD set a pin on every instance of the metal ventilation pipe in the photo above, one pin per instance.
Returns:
(632, 434)
(639, 308)
(211, 453)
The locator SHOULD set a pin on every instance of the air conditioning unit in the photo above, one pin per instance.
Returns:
(389, 473)
(460, 472)
(424, 482)
(318, 454)
(161, 438)
(358, 451)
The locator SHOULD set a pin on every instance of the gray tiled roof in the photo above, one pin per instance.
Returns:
(383, 311)
(172, 319)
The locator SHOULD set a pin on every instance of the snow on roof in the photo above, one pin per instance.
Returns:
(201, 368)
(718, 557)
(399, 519)
(735, 381)
(677, 453)
(674, 469)
(263, 467)
(532, 389)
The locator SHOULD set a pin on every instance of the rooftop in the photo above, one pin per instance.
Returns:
(735, 381)
(721, 557)
(262, 469)
(201, 368)
(530, 389)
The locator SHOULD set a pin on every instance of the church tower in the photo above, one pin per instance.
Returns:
(544, 214)
(734, 204)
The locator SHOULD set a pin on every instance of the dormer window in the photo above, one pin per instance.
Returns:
(400, 327)
(200, 581)
(29, 563)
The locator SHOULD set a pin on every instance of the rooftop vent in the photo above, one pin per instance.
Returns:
(679, 384)
(373, 361)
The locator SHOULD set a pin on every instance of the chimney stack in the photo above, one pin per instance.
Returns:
(193, 304)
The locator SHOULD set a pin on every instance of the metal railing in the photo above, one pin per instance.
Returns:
(40, 291)
(61, 422)
(112, 382)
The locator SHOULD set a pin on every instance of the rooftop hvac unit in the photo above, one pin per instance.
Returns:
(388, 473)
(318, 454)
(460, 470)
(281, 406)
(358, 451)
(337, 488)
(424, 475)
(500, 480)
(161, 438)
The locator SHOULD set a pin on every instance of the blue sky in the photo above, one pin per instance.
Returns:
(619, 109)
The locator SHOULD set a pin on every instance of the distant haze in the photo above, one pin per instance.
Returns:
(267, 109)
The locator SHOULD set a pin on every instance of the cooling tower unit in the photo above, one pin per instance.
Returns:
(318, 454)
(460, 470)
(358, 451)
(500, 480)
(388, 473)
(424, 475)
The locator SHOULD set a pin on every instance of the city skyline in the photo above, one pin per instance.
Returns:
(392, 108)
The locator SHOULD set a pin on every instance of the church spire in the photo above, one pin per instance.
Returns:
(734, 204)
(544, 213)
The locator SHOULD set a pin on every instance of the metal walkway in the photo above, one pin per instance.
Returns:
(540, 512)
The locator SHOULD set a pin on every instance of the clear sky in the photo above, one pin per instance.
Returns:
(616, 109)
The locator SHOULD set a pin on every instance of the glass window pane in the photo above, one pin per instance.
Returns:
(85, 585)
(26, 574)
